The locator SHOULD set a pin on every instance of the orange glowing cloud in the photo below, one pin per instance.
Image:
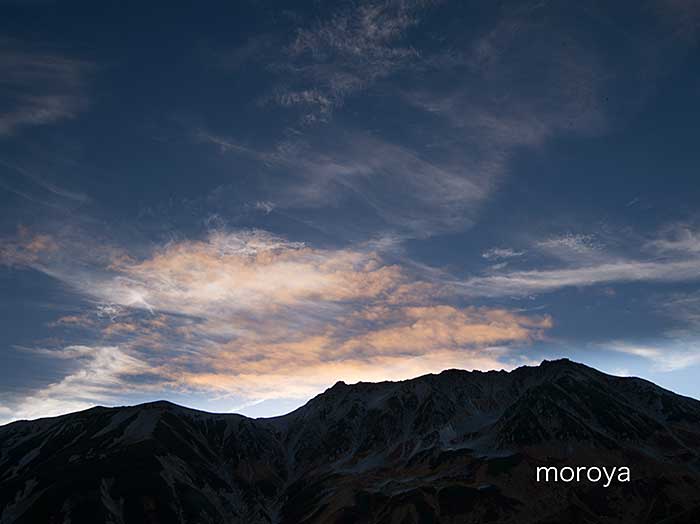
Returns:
(247, 271)
(252, 315)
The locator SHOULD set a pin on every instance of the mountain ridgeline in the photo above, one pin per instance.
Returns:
(457, 447)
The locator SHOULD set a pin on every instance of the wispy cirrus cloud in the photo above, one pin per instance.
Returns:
(666, 355)
(472, 107)
(582, 260)
(682, 310)
(533, 282)
(37, 188)
(38, 87)
(355, 46)
(678, 238)
(408, 192)
(98, 377)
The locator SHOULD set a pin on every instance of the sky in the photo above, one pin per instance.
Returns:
(235, 205)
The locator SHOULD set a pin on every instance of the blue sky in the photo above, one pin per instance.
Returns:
(233, 207)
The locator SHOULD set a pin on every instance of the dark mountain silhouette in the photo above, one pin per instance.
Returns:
(458, 447)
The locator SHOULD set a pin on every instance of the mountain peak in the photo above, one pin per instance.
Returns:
(563, 361)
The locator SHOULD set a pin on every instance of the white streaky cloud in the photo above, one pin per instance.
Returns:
(99, 378)
(683, 307)
(683, 310)
(532, 282)
(38, 110)
(667, 356)
(37, 188)
(46, 88)
(412, 194)
(583, 260)
(679, 238)
(405, 189)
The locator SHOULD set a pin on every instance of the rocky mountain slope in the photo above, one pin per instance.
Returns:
(458, 447)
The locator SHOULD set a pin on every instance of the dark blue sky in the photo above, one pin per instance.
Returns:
(233, 207)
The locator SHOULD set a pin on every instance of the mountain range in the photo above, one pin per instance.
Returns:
(457, 447)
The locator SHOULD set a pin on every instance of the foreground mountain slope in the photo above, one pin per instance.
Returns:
(456, 447)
